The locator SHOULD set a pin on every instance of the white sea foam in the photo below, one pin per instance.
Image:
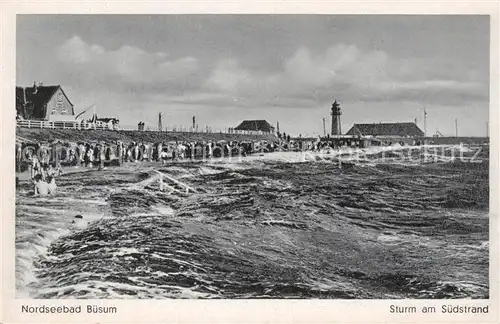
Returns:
(39, 222)
(125, 251)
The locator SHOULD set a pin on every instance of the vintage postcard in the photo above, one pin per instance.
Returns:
(237, 162)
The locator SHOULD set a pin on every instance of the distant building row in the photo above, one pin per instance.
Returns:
(50, 103)
(386, 129)
(372, 129)
(255, 125)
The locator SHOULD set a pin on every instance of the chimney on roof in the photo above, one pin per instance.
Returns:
(35, 88)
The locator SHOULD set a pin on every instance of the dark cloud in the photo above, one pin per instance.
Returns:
(304, 80)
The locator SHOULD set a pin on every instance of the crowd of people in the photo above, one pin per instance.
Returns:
(100, 153)
(44, 160)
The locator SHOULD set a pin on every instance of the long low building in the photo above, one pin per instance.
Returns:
(255, 125)
(386, 130)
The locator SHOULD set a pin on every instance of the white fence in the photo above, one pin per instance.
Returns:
(61, 125)
(43, 124)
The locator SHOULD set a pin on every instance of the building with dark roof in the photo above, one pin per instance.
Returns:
(386, 130)
(255, 125)
(43, 103)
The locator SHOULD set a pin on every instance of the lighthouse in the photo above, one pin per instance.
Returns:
(336, 112)
(160, 127)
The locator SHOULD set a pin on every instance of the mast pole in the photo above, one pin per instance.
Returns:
(425, 122)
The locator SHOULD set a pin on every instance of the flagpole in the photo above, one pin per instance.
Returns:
(425, 122)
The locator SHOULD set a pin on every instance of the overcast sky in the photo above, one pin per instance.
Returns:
(287, 68)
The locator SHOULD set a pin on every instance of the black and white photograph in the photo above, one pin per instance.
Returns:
(252, 156)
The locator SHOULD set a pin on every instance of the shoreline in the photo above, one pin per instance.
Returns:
(43, 221)
(283, 156)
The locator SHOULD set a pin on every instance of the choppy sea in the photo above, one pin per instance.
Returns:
(395, 224)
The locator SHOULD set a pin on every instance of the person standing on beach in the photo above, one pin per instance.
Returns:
(90, 156)
(182, 150)
(45, 160)
(80, 154)
(174, 151)
(58, 154)
(191, 147)
(19, 152)
(119, 152)
(129, 153)
(159, 150)
(143, 153)
(131, 150)
(36, 167)
(71, 155)
(209, 150)
(178, 150)
(150, 152)
(124, 151)
(163, 153)
(136, 152)
(97, 154)
(84, 154)
(102, 155)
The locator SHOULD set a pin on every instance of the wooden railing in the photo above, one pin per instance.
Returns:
(61, 125)
(44, 124)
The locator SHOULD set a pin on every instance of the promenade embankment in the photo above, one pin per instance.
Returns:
(70, 135)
